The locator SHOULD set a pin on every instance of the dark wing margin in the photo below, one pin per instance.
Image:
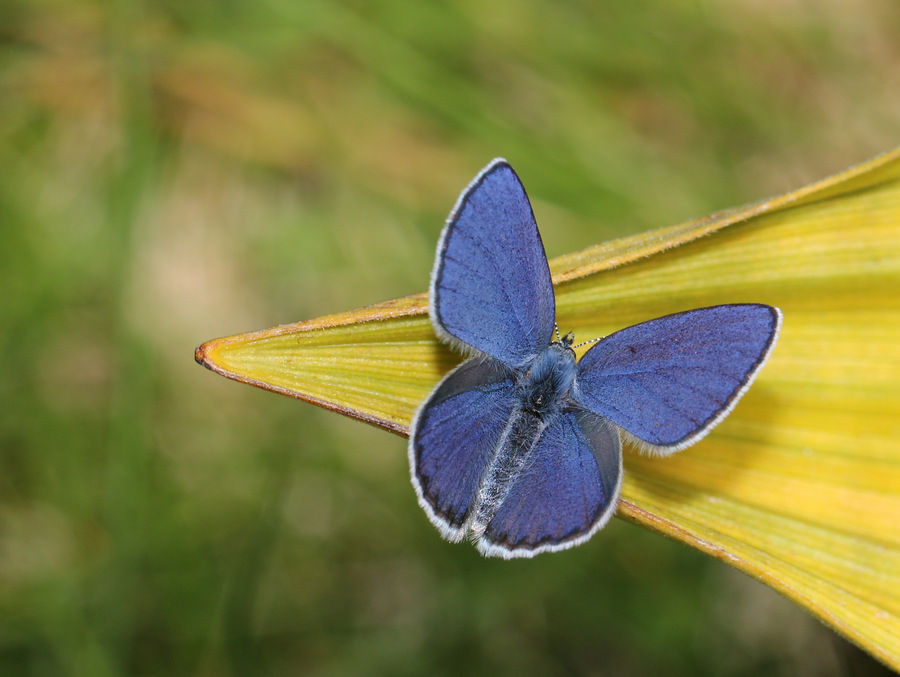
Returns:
(490, 287)
(453, 439)
(669, 381)
(567, 491)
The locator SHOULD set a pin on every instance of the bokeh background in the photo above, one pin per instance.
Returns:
(171, 172)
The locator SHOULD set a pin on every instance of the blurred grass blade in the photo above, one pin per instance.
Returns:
(800, 486)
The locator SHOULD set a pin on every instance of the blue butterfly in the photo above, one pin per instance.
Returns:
(520, 448)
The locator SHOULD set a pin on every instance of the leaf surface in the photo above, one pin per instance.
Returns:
(800, 486)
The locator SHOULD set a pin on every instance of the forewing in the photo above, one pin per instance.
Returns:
(490, 288)
(565, 493)
(668, 381)
(453, 438)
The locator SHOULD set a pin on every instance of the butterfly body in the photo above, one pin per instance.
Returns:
(520, 446)
(542, 392)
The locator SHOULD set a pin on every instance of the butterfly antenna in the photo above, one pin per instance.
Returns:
(587, 343)
(556, 329)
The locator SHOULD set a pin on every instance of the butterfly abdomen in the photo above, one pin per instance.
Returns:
(511, 455)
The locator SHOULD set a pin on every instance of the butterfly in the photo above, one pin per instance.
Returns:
(520, 447)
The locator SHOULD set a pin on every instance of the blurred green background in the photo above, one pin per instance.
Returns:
(171, 172)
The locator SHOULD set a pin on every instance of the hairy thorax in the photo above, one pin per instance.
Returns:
(543, 388)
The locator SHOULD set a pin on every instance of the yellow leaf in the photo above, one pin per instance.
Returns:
(800, 486)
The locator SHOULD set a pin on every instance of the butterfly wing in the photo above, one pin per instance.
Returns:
(565, 493)
(490, 288)
(668, 381)
(453, 438)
